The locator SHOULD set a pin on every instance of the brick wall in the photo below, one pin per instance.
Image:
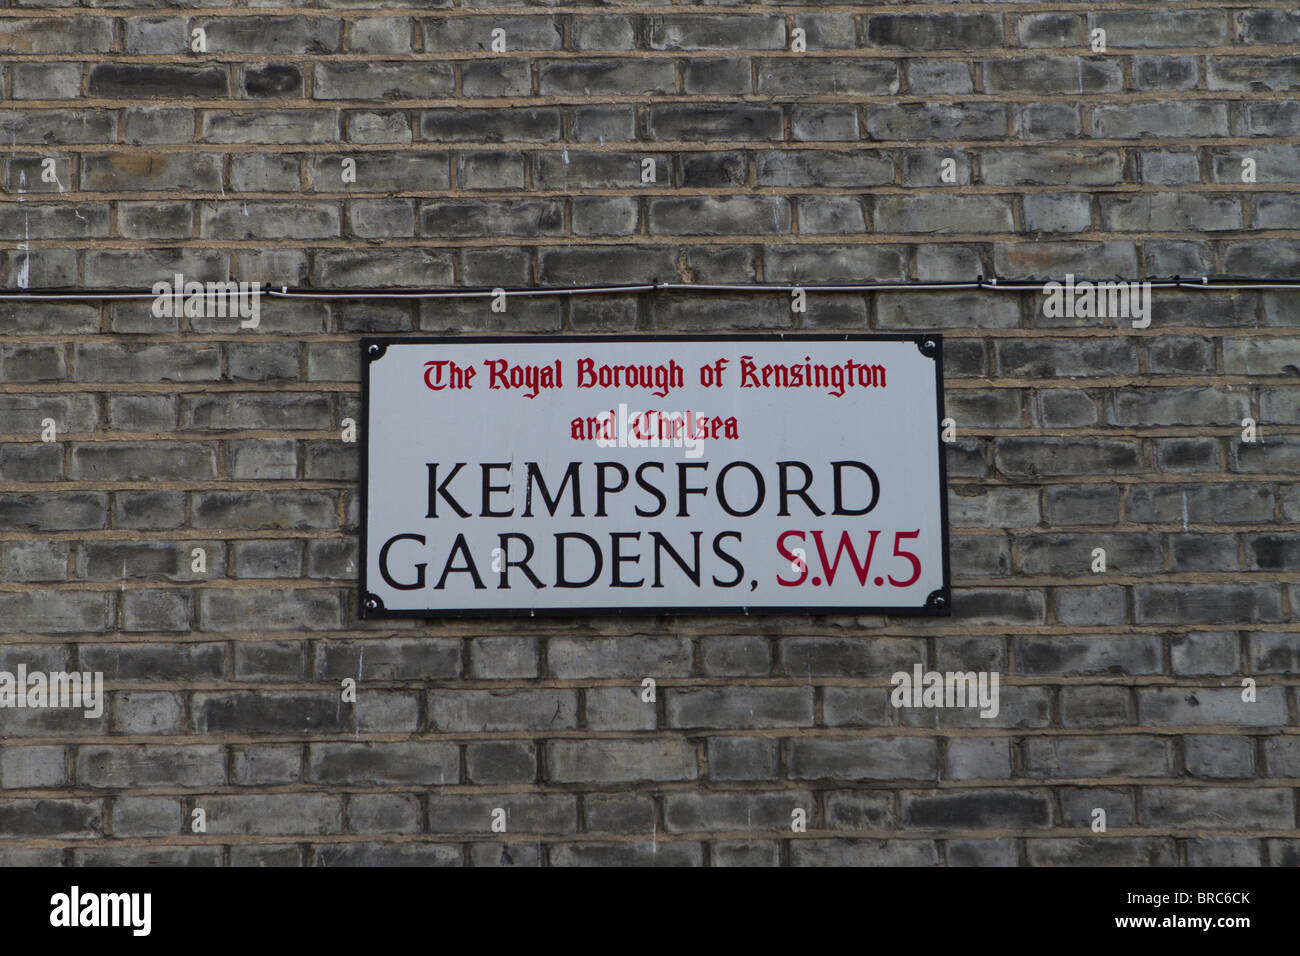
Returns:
(1120, 691)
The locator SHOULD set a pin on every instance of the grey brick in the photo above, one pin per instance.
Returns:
(1135, 654)
(380, 81)
(475, 33)
(157, 125)
(1223, 851)
(874, 758)
(245, 609)
(973, 810)
(271, 80)
(390, 763)
(1253, 73)
(260, 712)
(75, 34)
(693, 123)
(1218, 756)
(1259, 808)
(713, 169)
(46, 81)
(269, 764)
(270, 660)
(23, 462)
(1091, 606)
(24, 767)
(808, 75)
(1164, 707)
(51, 818)
(1170, 166)
(1163, 119)
(1073, 554)
(1176, 28)
(503, 761)
(752, 215)
(388, 854)
(612, 77)
(1047, 212)
(505, 854)
(270, 126)
(931, 31)
(57, 126)
(1095, 707)
(706, 75)
(831, 263)
(742, 758)
(1062, 456)
(207, 856)
(1274, 653)
(1170, 212)
(505, 125)
(1055, 29)
(157, 610)
(384, 813)
(382, 218)
(1209, 503)
(272, 34)
(139, 80)
(107, 362)
(1025, 166)
(148, 714)
(629, 657)
(983, 507)
(979, 758)
(280, 813)
(748, 853)
(470, 217)
(754, 707)
(1268, 26)
(52, 612)
(478, 710)
(270, 510)
(34, 561)
(912, 310)
(1039, 121)
(604, 123)
(627, 854)
(1208, 653)
(981, 853)
(697, 812)
(843, 657)
(119, 461)
(1082, 504)
(621, 761)
(854, 706)
(151, 765)
(722, 32)
(379, 35)
(619, 708)
(859, 810)
(1047, 75)
(939, 76)
(1109, 756)
(910, 852)
(915, 121)
(1207, 603)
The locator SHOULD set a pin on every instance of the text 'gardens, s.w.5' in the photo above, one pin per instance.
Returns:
(658, 474)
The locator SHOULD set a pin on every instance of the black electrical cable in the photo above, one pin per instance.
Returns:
(655, 286)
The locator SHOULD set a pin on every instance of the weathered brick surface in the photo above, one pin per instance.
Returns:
(904, 142)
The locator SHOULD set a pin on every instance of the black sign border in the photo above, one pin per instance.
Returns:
(371, 607)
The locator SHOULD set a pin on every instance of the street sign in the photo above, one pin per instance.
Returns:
(653, 474)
